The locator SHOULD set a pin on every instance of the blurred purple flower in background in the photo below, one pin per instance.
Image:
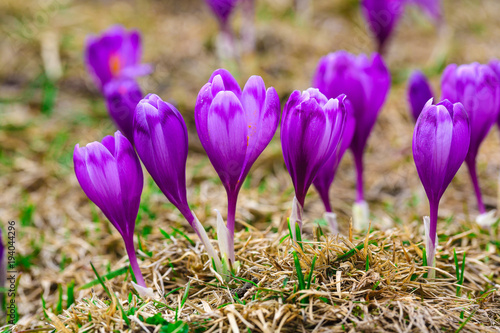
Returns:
(327, 171)
(122, 96)
(311, 130)
(477, 87)
(234, 128)
(116, 53)
(382, 16)
(440, 144)
(110, 174)
(366, 82)
(222, 9)
(419, 93)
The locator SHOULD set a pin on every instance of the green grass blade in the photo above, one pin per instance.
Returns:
(108, 276)
(101, 281)
(185, 236)
(466, 321)
(309, 278)
(300, 276)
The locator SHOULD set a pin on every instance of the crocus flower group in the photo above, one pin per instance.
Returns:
(366, 83)
(234, 127)
(477, 87)
(440, 144)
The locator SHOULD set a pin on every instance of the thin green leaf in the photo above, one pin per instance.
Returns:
(300, 276)
(108, 276)
(309, 278)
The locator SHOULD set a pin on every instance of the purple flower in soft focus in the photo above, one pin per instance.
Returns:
(326, 173)
(311, 129)
(440, 144)
(419, 93)
(222, 9)
(366, 82)
(382, 17)
(433, 8)
(234, 127)
(477, 87)
(110, 174)
(122, 96)
(116, 53)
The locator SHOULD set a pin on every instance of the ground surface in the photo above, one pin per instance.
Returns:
(48, 104)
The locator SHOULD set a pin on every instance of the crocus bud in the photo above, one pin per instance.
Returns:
(222, 9)
(366, 82)
(122, 96)
(419, 93)
(116, 53)
(311, 129)
(440, 144)
(477, 87)
(327, 171)
(110, 174)
(234, 127)
(382, 17)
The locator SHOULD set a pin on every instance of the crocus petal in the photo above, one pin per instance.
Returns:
(262, 110)
(230, 82)
(222, 8)
(228, 139)
(382, 17)
(131, 179)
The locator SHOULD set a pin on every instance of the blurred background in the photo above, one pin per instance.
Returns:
(48, 103)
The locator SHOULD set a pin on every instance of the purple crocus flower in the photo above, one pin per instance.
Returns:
(495, 66)
(382, 17)
(110, 174)
(122, 96)
(366, 82)
(116, 53)
(440, 144)
(326, 173)
(311, 129)
(419, 93)
(234, 127)
(477, 87)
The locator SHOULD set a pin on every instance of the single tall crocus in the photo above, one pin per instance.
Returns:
(116, 53)
(382, 17)
(311, 130)
(222, 10)
(161, 140)
(477, 87)
(440, 144)
(235, 127)
(366, 82)
(326, 174)
(419, 93)
(110, 174)
(122, 96)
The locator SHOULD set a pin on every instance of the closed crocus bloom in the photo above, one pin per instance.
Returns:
(234, 128)
(477, 87)
(122, 96)
(311, 129)
(440, 144)
(366, 82)
(382, 17)
(419, 93)
(327, 171)
(222, 9)
(116, 53)
(110, 174)
(495, 66)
